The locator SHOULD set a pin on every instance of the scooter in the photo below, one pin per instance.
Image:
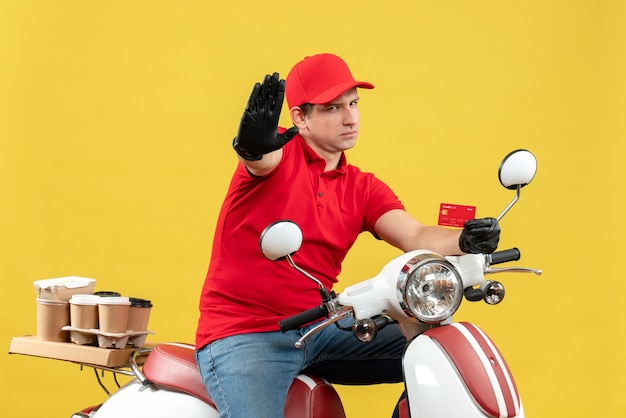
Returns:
(450, 368)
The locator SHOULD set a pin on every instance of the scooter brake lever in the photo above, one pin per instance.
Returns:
(342, 313)
(512, 270)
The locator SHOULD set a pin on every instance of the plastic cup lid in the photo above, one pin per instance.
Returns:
(81, 299)
(107, 293)
(140, 303)
(114, 300)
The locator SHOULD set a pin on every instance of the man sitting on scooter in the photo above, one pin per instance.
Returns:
(302, 174)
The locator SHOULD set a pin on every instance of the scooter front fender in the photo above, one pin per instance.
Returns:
(456, 370)
(134, 400)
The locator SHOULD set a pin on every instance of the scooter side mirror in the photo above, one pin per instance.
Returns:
(280, 239)
(517, 169)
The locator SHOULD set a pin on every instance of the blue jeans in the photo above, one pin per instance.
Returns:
(249, 375)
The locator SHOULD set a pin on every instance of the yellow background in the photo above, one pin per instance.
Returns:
(116, 119)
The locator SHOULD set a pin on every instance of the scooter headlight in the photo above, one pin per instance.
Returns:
(429, 288)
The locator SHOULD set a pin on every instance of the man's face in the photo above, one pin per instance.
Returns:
(333, 127)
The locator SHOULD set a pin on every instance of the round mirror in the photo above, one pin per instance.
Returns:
(281, 239)
(517, 169)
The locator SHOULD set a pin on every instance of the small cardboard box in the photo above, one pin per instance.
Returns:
(31, 346)
(63, 288)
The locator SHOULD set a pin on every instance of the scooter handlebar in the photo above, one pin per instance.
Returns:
(296, 321)
(504, 256)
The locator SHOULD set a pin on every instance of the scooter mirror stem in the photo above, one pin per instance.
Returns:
(513, 202)
(323, 292)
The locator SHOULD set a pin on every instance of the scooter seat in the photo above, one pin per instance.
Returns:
(174, 366)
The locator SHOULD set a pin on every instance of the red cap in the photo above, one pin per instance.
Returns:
(319, 79)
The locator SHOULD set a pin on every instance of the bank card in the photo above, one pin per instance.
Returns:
(455, 215)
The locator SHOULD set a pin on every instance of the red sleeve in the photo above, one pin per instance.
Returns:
(382, 200)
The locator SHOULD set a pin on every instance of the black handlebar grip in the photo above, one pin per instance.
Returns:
(296, 321)
(505, 255)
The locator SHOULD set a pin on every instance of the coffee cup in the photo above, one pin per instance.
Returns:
(139, 314)
(113, 314)
(52, 315)
(84, 311)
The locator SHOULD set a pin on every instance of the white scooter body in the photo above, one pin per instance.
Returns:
(448, 373)
(450, 369)
(137, 400)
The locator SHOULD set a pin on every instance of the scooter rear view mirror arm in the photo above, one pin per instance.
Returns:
(513, 202)
(323, 291)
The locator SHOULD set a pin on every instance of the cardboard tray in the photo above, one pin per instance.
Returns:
(31, 346)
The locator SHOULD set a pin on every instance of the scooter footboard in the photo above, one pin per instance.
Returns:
(456, 370)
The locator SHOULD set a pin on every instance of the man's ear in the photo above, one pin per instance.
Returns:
(297, 117)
